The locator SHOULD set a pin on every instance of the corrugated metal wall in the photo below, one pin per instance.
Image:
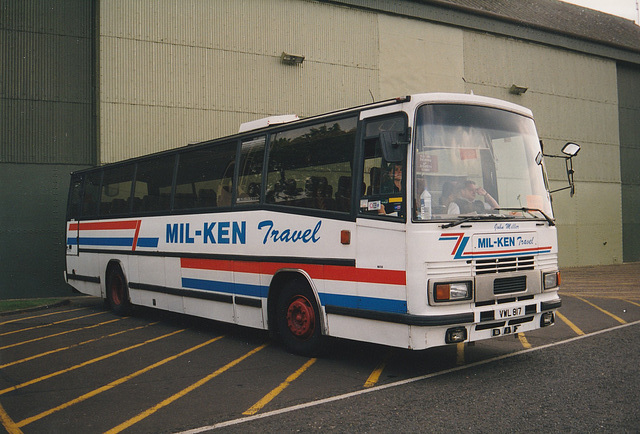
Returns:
(46, 89)
(629, 94)
(173, 73)
(573, 97)
(47, 129)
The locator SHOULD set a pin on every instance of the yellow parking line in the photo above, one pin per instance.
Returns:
(112, 384)
(632, 302)
(8, 423)
(26, 359)
(375, 375)
(570, 324)
(40, 316)
(275, 392)
(182, 393)
(51, 323)
(523, 340)
(620, 320)
(83, 364)
(460, 354)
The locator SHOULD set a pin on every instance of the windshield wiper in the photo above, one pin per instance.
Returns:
(477, 217)
(530, 211)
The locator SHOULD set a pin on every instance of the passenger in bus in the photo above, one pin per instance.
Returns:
(467, 202)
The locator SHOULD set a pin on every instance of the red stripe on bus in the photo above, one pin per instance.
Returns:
(135, 236)
(98, 226)
(327, 272)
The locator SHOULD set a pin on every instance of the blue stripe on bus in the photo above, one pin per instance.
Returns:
(147, 242)
(101, 241)
(111, 241)
(226, 287)
(368, 303)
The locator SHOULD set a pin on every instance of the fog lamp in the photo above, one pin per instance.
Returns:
(551, 280)
(454, 335)
(452, 291)
(547, 319)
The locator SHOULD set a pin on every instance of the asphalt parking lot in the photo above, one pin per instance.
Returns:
(79, 368)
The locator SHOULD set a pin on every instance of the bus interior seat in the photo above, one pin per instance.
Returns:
(319, 193)
(207, 198)
(374, 181)
(343, 194)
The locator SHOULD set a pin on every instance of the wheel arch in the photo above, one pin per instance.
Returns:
(282, 278)
(111, 264)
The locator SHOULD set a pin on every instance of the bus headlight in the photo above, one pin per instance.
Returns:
(551, 280)
(452, 291)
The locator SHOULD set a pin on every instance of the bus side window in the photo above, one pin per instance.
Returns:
(116, 190)
(250, 171)
(91, 194)
(152, 190)
(75, 198)
(309, 165)
(203, 175)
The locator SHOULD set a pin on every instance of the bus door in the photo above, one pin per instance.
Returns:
(381, 221)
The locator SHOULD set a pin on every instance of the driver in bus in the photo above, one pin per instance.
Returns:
(467, 203)
(391, 184)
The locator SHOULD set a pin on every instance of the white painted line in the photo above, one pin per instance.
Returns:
(397, 383)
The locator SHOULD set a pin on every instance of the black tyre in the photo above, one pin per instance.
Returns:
(298, 320)
(117, 291)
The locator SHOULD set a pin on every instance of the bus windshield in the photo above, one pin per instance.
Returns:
(472, 160)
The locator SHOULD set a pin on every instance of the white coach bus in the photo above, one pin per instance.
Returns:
(414, 222)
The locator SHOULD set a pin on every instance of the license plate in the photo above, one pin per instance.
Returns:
(509, 312)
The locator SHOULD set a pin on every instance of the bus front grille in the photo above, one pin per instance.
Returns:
(504, 265)
(510, 285)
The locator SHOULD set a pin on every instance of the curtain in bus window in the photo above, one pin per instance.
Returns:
(310, 167)
(152, 190)
(116, 190)
(204, 177)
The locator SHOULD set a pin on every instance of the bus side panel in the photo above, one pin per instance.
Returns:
(83, 274)
(377, 332)
(248, 310)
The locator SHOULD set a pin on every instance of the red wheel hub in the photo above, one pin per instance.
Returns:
(301, 318)
(117, 293)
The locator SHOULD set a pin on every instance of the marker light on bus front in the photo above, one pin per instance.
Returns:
(452, 291)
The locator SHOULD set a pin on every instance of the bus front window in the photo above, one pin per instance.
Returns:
(473, 160)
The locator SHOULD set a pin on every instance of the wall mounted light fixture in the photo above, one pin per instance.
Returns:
(291, 59)
(517, 90)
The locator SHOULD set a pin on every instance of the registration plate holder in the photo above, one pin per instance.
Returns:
(509, 312)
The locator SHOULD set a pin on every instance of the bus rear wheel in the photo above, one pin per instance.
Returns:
(117, 292)
(298, 320)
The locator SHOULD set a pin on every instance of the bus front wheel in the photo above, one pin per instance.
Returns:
(298, 320)
(117, 292)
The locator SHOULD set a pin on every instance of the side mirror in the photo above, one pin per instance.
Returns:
(393, 144)
(569, 150)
